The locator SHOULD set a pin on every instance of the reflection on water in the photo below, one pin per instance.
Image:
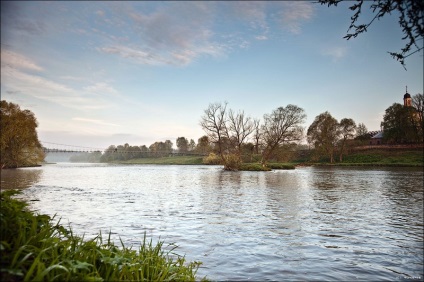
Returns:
(20, 178)
(304, 224)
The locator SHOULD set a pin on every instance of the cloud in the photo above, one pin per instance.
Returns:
(95, 121)
(172, 34)
(261, 37)
(15, 60)
(294, 13)
(335, 52)
(17, 81)
(101, 88)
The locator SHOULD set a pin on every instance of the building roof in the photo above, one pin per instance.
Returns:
(378, 135)
(406, 95)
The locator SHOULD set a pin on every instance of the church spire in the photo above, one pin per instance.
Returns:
(407, 101)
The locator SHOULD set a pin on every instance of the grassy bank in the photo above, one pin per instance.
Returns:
(373, 157)
(174, 160)
(376, 157)
(34, 249)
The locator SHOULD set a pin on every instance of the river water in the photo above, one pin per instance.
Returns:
(312, 223)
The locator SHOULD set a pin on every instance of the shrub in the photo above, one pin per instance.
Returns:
(212, 159)
(232, 162)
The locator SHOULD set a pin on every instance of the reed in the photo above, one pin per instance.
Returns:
(33, 248)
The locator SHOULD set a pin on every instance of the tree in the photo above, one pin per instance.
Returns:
(238, 130)
(347, 129)
(361, 131)
(281, 126)
(213, 123)
(168, 146)
(203, 145)
(257, 134)
(323, 134)
(411, 20)
(418, 104)
(182, 144)
(19, 144)
(191, 145)
(400, 125)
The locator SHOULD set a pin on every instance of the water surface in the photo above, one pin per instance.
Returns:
(305, 224)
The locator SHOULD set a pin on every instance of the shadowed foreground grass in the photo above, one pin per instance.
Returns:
(34, 249)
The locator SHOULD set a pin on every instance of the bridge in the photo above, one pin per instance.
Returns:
(56, 148)
(49, 147)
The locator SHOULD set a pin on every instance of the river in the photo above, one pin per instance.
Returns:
(312, 223)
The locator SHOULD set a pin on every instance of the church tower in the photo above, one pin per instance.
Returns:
(407, 101)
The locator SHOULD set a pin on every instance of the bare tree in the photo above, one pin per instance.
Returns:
(281, 126)
(238, 130)
(257, 134)
(213, 123)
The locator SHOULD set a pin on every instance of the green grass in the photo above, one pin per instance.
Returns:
(174, 160)
(385, 158)
(253, 167)
(34, 249)
(281, 166)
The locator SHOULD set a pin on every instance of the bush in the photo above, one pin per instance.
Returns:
(232, 162)
(212, 159)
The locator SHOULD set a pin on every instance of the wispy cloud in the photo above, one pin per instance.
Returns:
(16, 79)
(173, 34)
(95, 121)
(335, 52)
(294, 13)
(101, 88)
(14, 60)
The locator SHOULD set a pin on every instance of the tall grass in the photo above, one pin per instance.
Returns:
(33, 248)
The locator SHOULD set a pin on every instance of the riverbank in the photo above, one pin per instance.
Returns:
(372, 157)
(380, 157)
(33, 248)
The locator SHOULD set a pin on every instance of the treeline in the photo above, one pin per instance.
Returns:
(233, 138)
(155, 150)
(19, 144)
(232, 134)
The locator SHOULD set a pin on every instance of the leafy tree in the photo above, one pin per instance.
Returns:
(418, 104)
(191, 145)
(283, 125)
(361, 131)
(182, 144)
(323, 134)
(347, 128)
(203, 145)
(411, 20)
(400, 125)
(109, 154)
(19, 144)
(168, 146)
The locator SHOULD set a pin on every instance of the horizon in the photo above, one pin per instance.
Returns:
(97, 74)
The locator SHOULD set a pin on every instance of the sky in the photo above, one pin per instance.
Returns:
(108, 73)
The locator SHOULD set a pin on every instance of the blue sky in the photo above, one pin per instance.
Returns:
(102, 73)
